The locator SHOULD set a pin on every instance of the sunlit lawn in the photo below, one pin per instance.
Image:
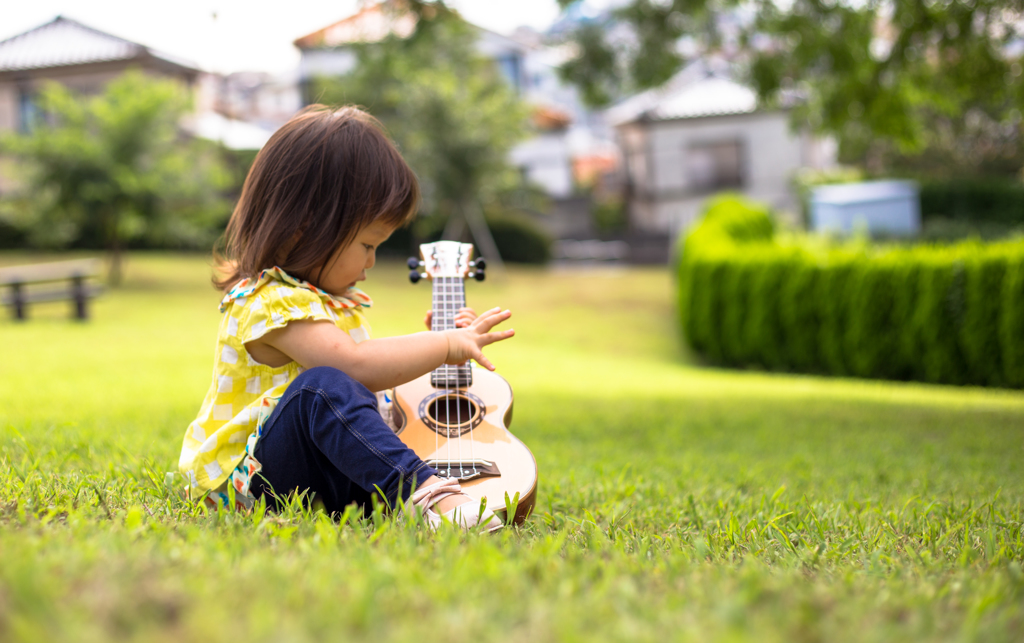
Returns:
(676, 502)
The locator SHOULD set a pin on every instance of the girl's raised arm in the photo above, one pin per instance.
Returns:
(380, 363)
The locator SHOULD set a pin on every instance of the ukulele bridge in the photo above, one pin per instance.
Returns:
(463, 470)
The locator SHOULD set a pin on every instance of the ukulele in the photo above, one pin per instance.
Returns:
(456, 418)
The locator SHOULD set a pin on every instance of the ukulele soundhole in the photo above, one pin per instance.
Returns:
(452, 413)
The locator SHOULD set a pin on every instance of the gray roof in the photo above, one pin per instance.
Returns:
(697, 91)
(63, 41)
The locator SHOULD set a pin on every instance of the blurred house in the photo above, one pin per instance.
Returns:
(79, 57)
(564, 130)
(258, 98)
(704, 133)
(240, 110)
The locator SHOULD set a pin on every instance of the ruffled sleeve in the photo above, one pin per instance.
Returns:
(275, 305)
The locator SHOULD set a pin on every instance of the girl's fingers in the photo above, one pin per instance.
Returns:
(490, 319)
(497, 336)
(483, 361)
(489, 313)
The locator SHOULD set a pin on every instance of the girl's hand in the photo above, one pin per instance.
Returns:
(463, 318)
(467, 343)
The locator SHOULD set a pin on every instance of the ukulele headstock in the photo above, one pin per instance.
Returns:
(446, 259)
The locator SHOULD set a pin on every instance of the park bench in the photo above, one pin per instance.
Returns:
(33, 283)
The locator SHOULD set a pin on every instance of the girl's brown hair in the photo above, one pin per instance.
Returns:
(321, 178)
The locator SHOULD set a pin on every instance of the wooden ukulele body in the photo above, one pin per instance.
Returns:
(463, 433)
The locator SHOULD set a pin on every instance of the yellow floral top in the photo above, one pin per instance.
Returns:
(243, 392)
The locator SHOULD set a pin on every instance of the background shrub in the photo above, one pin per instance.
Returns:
(983, 275)
(833, 312)
(871, 337)
(976, 200)
(735, 289)
(798, 310)
(763, 329)
(1011, 319)
(949, 314)
(938, 316)
(519, 238)
(11, 236)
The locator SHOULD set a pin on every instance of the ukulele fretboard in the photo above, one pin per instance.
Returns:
(449, 297)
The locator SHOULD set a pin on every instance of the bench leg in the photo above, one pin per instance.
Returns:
(79, 297)
(18, 301)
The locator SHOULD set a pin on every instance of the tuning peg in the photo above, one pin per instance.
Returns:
(414, 276)
(413, 263)
(479, 275)
(479, 264)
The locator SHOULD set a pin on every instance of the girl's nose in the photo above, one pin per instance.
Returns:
(371, 259)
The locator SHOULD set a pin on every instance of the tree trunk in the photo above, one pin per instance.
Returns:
(485, 245)
(114, 274)
(455, 226)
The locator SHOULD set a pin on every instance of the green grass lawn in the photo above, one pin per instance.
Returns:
(676, 502)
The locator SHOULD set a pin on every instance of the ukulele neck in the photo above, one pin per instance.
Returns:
(449, 297)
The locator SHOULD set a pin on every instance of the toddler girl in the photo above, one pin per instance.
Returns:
(291, 406)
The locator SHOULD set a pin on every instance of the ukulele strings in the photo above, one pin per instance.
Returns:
(449, 296)
(449, 324)
(458, 301)
(468, 371)
(436, 324)
(459, 295)
(458, 372)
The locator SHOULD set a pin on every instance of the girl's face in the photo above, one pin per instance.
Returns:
(349, 264)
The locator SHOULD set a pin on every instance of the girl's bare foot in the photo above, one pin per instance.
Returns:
(442, 500)
(447, 503)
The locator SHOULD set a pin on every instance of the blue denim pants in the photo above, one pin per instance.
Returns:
(327, 436)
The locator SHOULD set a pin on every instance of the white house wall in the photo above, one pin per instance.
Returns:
(8, 107)
(663, 201)
(326, 62)
(546, 163)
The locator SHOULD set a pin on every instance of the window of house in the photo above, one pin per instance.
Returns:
(28, 111)
(714, 166)
(510, 66)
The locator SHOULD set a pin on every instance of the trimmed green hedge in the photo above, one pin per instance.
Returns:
(947, 314)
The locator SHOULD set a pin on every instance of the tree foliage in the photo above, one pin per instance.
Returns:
(898, 77)
(453, 115)
(926, 86)
(115, 166)
(636, 46)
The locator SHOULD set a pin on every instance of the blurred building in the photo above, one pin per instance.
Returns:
(242, 110)
(564, 129)
(239, 110)
(259, 98)
(704, 133)
(79, 57)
